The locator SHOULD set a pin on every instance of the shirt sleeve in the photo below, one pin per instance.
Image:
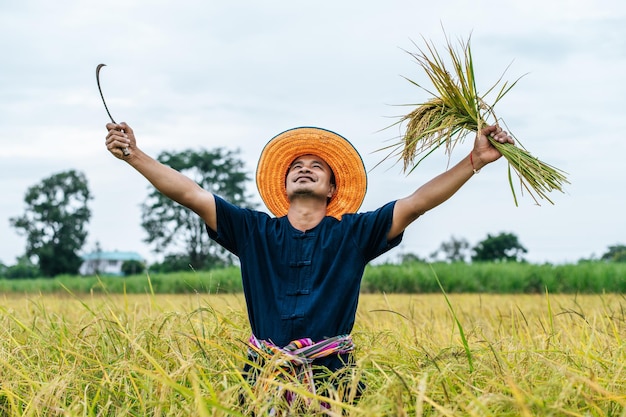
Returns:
(370, 229)
(232, 223)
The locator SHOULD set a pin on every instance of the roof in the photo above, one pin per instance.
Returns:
(112, 256)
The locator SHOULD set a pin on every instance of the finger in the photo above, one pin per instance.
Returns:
(113, 129)
(117, 152)
(117, 137)
(504, 137)
(118, 126)
(116, 134)
(114, 143)
(126, 128)
(489, 130)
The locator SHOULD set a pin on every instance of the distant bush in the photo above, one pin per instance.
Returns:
(133, 267)
(24, 268)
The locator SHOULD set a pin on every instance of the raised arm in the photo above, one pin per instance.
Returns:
(445, 185)
(168, 181)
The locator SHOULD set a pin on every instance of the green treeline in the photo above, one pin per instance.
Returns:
(409, 277)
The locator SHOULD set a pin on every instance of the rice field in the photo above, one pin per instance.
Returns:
(419, 355)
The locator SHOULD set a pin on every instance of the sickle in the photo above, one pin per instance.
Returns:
(98, 68)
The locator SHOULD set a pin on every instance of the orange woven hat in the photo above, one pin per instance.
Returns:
(337, 151)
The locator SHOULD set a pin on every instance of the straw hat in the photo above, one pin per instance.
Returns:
(337, 151)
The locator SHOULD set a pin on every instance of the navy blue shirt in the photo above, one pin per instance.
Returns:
(302, 284)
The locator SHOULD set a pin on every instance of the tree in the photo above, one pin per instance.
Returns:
(24, 268)
(615, 253)
(132, 267)
(172, 226)
(456, 250)
(54, 223)
(503, 247)
(407, 258)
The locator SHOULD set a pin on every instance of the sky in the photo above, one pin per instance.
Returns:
(195, 74)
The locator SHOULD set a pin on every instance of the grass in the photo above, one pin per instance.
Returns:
(410, 277)
(180, 355)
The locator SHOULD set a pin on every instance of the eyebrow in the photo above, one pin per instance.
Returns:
(316, 160)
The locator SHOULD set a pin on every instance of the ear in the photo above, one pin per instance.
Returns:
(331, 191)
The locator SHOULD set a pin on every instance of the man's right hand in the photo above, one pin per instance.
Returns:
(120, 140)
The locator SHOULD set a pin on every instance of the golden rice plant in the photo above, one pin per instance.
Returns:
(455, 110)
(182, 355)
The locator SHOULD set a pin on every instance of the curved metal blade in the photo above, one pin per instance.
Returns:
(98, 68)
(125, 151)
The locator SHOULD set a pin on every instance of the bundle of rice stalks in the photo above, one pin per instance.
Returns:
(457, 109)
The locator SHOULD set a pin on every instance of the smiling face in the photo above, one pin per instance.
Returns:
(310, 175)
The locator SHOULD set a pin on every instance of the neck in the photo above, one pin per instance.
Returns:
(306, 215)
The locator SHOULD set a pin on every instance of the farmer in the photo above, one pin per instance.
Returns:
(302, 269)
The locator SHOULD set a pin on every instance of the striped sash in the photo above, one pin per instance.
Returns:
(300, 354)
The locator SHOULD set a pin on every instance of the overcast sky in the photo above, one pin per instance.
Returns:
(192, 74)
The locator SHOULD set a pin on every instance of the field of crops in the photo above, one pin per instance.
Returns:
(432, 355)
(409, 278)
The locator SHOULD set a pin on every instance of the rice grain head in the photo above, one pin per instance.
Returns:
(454, 111)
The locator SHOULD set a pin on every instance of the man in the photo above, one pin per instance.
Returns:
(302, 269)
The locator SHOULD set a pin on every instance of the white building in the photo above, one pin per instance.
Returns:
(107, 263)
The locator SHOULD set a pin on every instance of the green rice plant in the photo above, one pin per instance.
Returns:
(594, 277)
(455, 110)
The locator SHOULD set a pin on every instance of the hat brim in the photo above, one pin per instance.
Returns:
(337, 151)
